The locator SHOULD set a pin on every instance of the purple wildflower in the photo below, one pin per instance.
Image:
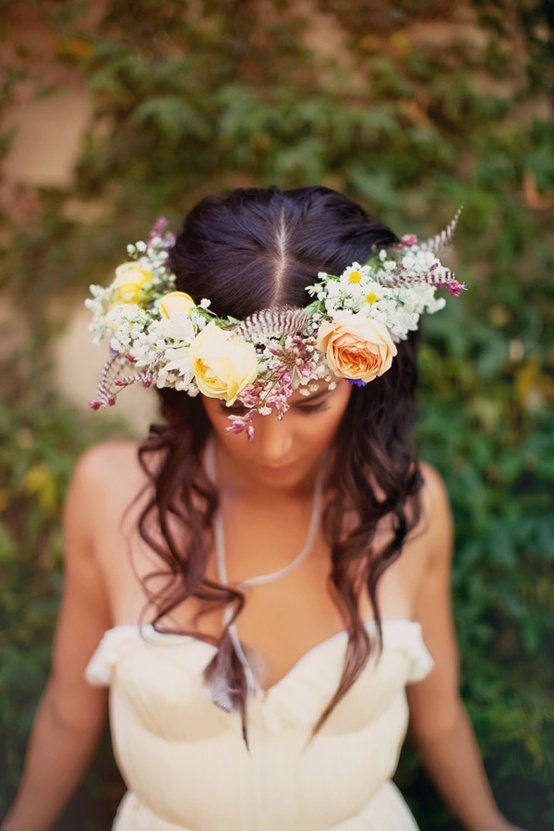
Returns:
(408, 240)
(452, 286)
(241, 423)
(158, 229)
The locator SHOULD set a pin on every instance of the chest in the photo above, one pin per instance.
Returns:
(283, 617)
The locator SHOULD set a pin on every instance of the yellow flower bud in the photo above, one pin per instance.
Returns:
(174, 302)
(129, 279)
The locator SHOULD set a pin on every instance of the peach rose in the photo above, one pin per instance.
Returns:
(129, 279)
(176, 302)
(223, 364)
(357, 348)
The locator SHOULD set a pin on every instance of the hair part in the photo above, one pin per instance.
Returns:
(249, 250)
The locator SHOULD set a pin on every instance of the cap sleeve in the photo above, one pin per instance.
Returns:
(114, 645)
(406, 636)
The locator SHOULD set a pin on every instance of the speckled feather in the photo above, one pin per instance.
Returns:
(271, 323)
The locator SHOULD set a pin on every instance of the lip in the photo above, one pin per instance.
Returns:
(278, 470)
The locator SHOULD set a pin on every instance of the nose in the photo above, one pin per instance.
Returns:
(274, 439)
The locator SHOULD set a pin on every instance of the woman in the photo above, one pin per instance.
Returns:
(267, 575)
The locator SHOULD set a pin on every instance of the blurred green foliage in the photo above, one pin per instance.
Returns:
(412, 109)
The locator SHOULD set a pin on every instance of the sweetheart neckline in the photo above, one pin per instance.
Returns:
(155, 635)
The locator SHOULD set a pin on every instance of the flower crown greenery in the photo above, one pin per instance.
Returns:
(161, 336)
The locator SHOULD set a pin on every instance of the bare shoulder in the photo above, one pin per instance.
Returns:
(435, 525)
(108, 465)
(107, 458)
(434, 494)
(105, 475)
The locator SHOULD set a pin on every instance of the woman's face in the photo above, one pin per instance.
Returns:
(285, 453)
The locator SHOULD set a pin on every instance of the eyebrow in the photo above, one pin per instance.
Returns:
(300, 401)
(315, 397)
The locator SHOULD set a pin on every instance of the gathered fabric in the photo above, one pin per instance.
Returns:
(186, 765)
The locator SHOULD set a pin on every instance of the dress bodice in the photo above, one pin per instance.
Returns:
(187, 767)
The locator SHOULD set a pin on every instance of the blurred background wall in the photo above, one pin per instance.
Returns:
(115, 113)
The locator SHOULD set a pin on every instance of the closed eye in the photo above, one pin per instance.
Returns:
(300, 406)
(237, 410)
(312, 408)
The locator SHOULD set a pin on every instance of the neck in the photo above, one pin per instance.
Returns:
(252, 482)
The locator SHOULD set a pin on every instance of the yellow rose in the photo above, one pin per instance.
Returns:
(357, 348)
(129, 279)
(175, 302)
(223, 364)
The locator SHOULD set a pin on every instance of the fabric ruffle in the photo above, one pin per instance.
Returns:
(400, 635)
(297, 699)
(120, 641)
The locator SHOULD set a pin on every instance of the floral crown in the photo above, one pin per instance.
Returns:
(161, 336)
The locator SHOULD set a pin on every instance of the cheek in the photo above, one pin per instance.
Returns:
(213, 412)
(339, 405)
(321, 433)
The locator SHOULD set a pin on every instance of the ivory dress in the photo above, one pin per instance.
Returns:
(185, 762)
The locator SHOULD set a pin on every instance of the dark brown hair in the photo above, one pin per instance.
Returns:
(259, 248)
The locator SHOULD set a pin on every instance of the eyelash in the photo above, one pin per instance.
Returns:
(312, 408)
(238, 411)
(302, 408)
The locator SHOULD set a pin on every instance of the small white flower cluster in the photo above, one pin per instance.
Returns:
(171, 340)
(123, 321)
(392, 291)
